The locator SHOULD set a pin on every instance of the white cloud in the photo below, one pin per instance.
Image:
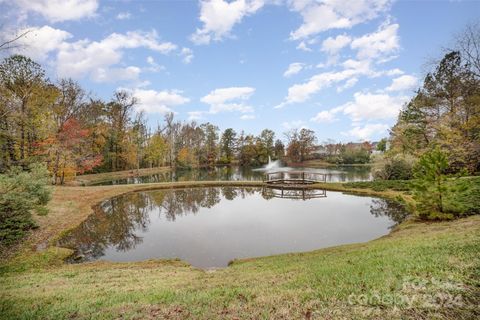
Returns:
(367, 131)
(402, 83)
(219, 17)
(195, 115)
(152, 101)
(303, 46)
(229, 99)
(223, 95)
(363, 66)
(394, 72)
(302, 92)
(293, 68)
(100, 60)
(85, 57)
(154, 66)
(333, 45)
(187, 55)
(124, 16)
(60, 10)
(324, 116)
(247, 117)
(346, 78)
(348, 84)
(296, 124)
(368, 106)
(40, 41)
(229, 107)
(379, 44)
(365, 107)
(323, 15)
(130, 73)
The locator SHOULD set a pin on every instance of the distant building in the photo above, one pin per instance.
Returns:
(333, 149)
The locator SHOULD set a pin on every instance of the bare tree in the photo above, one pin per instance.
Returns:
(11, 43)
(468, 43)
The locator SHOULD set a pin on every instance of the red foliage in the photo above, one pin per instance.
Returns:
(71, 142)
(90, 163)
(72, 133)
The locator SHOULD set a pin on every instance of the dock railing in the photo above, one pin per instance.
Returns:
(294, 177)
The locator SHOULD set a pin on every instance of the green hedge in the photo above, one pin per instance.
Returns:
(21, 193)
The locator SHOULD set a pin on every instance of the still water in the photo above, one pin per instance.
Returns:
(208, 227)
(333, 174)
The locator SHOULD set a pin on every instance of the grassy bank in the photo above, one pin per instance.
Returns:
(416, 261)
(89, 179)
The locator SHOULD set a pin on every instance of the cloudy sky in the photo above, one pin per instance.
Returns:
(341, 69)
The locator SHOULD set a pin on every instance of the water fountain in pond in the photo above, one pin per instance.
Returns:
(270, 166)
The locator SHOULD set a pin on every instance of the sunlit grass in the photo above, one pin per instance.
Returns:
(317, 284)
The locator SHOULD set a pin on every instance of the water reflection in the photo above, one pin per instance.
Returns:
(292, 193)
(235, 173)
(387, 208)
(208, 227)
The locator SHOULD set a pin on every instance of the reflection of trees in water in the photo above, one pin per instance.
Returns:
(229, 193)
(189, 201)
(388, 208)
(113, 223)
(185, 201)
(116, 222)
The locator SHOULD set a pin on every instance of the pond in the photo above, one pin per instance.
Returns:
(208, 227)
(229, 173)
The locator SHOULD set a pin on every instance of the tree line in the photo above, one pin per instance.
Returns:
(436, 139)
(444, 113)
(60, 125)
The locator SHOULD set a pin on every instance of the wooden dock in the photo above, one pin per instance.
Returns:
(293, 179)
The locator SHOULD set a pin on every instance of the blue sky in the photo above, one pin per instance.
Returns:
(343, 69)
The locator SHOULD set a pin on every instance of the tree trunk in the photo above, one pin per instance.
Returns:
(22, 131)
(56, 167)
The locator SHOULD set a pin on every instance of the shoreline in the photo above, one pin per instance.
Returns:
(82, 199)
(262, 283)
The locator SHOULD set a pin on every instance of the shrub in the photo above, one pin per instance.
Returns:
(21, 192)
(398, 167)
(431, 187)
(352, 155)
(464, 196)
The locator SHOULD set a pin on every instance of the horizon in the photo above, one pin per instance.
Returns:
(342, 72)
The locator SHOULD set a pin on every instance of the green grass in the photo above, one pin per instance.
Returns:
(443, 257)
(382, 185)
(418, 260)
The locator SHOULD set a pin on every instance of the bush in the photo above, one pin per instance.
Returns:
(350, 155)
(398, 167)
(464, 196)
(431, 187)
(21, 192)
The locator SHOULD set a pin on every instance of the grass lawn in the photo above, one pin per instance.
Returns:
(420, 270)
